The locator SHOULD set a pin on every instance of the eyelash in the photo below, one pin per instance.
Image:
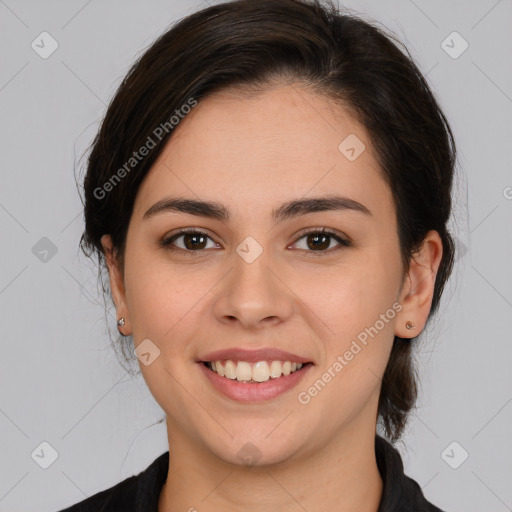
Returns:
(166, 242)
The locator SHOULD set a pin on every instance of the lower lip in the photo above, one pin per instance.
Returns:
(254, 391)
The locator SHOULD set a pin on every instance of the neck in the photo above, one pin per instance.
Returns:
(342, 475)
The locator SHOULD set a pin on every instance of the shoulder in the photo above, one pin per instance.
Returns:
(118, 497)
(141, 490)
(413, 498)
(400, 493)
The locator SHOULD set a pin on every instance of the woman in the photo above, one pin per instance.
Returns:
(270, 191)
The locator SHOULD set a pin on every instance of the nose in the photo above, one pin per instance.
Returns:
(253, 295)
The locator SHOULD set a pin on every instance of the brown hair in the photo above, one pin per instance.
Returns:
(250, 44)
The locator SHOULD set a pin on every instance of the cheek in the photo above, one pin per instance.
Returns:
(348, 298)
(158, 293)
(358, 305)
(361, 325)
(165, 305)
(361, 317)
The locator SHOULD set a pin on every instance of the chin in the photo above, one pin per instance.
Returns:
(256, 449)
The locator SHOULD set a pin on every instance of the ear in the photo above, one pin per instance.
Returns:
(418, 288)
(116, 284)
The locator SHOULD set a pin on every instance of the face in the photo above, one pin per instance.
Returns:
(254, 279)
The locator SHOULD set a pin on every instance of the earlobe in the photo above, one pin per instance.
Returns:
(418, 290)
(116, 286)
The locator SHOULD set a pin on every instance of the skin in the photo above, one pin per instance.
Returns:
(253, 153)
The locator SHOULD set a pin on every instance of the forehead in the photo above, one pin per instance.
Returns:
(285, 142)
(285, 123)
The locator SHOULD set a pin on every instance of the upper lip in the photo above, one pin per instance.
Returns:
(253, 356)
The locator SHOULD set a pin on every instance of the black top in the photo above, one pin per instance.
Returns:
(140, 493)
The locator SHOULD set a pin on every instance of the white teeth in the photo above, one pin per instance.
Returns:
(230, 370)
(258, 372)
(243, 371)
(218, 368)
(275, 369)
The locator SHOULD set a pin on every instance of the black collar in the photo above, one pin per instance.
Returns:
(399, 493)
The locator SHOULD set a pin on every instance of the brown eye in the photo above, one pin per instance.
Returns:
(188, 241)
(321, 241)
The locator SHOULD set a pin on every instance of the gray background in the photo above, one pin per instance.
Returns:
(60, 380)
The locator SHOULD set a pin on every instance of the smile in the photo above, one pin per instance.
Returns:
(260, 371)
(253, 382)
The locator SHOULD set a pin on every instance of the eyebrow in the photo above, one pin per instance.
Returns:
(295, 208)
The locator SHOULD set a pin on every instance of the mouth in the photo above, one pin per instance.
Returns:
(254, 382)
(253, 376)
(254, 372)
